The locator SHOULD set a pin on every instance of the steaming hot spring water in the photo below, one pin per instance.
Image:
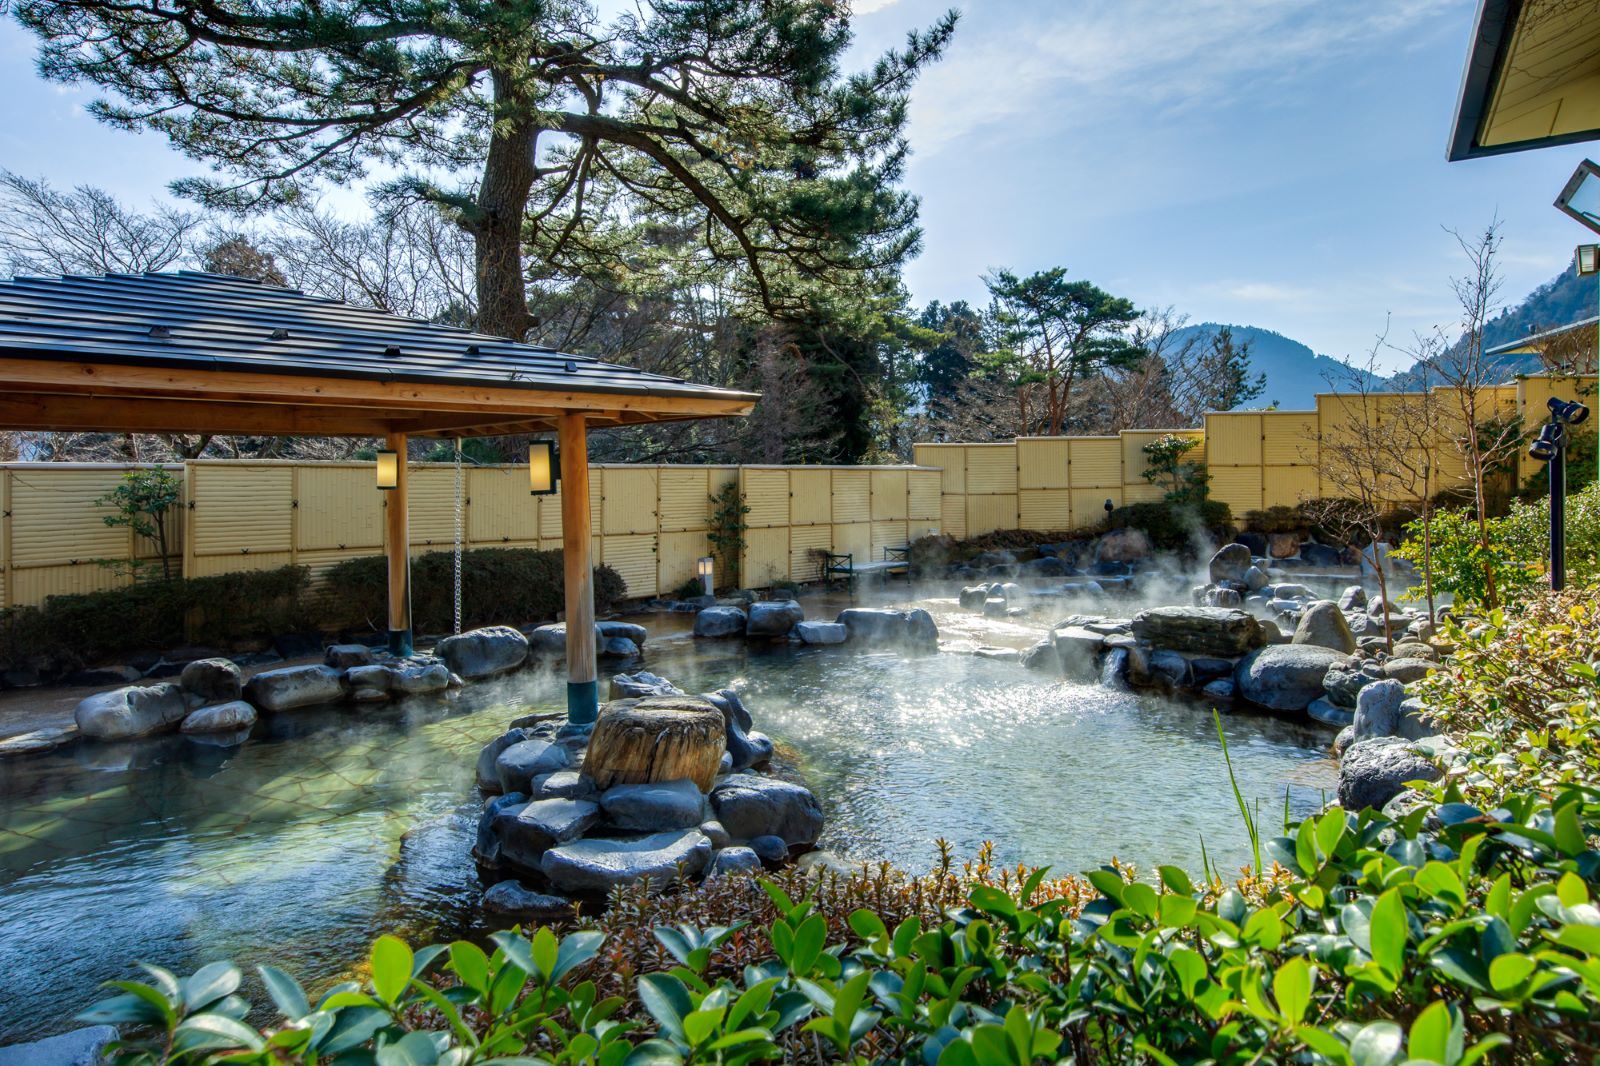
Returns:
(330, 827)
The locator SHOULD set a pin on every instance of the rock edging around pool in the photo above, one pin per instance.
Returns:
(785, 620)
(663, 786)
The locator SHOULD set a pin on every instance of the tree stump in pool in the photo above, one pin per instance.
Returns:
(656, 738)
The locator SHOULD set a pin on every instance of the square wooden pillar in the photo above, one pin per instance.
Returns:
(397, 546)
(583, 690)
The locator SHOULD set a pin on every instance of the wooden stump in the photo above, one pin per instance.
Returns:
(656, 738)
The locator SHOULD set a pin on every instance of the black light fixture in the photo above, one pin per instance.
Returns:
(1568, 412)
(1110, 507)
(543, 473)
(1550, 448)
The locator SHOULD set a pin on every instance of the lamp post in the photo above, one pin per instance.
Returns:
(1550, 448)
(706, 570)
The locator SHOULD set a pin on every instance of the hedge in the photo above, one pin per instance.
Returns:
(507, 586)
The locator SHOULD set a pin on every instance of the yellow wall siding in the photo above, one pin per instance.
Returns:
(1233, 438)
(953, 516)
(889, 495)
(949, 459)
(432, 508)
(500, 509)
(1042, 463)
(1096, 462)
(766, 493)
(852, 496)
(985, 514)
(888, 534)
(1237, 486)
(922, 495)
(685, 499)
(1289, 438)
(241, 509)
(1089, 505)
(1044, 509)
(802, 541)
(1288, 485)
(811, 497)
(55, 520)
(991, 469)
(677, 555)
(853, 538)
(634, 558)
(628, 505)
(766, 557)
(339, 508)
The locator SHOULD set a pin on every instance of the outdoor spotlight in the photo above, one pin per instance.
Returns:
(1568, 412)
(388, 467)
(706, 569)
(542, 468)
(1110, 507)
(1588, 257)
(1581, 197)
(1547, 445)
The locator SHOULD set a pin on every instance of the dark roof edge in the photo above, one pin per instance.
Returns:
(1511, 346)
(1491, 34)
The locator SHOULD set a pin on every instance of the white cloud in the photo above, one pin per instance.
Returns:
(867, 7)
(1082, 59)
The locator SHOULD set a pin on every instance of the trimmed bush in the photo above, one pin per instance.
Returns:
(1172, 527)
(68, 631)
(499, 586)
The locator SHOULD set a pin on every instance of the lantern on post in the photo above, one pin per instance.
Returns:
(706, 570)
(542, 470)
(388, 470)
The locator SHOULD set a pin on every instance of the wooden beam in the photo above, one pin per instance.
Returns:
(397, 546)
(583, 693)
(87, 414)
(381, 398)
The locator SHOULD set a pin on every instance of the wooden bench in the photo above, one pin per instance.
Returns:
(894, 561)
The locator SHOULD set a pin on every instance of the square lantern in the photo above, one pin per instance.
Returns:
(706, 569)
(388, 468)
(542, 471)
(1588, 256)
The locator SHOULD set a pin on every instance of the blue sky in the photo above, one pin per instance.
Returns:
(1277, 163)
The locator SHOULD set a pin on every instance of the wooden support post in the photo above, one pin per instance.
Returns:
(398, 546)
(583, 692)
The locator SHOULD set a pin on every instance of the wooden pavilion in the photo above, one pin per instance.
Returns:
(201, 353)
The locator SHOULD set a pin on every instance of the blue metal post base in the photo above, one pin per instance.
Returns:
(400, 642)
(583, 702)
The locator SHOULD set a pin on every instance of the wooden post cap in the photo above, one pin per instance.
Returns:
(656, 738)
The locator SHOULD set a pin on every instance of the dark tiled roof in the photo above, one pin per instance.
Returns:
(215, 322)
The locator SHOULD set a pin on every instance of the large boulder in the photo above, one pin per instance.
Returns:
(294, 686)
(745, 747)
(414, 679)
(599, 864)
(773, 618)
(1198, 630)
(344, 656)
(528, 831)
(656, 738)
(220, 718)
(734, 860)
(1383, 710)
(720, 622)
(751, 806)
(1283, 545)
(484, 652)
(1374, 771)
(80, 1047)
(1314, 554)
(1230, 563)
(973, 597)
(654, 807)
(821, 632)
(488, 777)
(135, 711)
(1123, 546)
(605, 631)
(1078, 651)
(517, 766)
(1353, 598)
(643, 683)
(1284, 677)
(1408, 670)
(887, 626)
(213, 680)
(1323, 625)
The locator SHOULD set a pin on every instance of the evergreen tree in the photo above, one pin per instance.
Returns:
(725, 126)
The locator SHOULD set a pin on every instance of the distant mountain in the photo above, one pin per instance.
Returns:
(1564, 299)
(1295, 373)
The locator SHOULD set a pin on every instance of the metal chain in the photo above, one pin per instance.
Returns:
(460, 525)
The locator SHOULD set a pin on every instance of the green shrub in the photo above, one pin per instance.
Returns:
(1278, 518)
(1180, 479)
(93, 626)
(506, 586)
(1172, 527)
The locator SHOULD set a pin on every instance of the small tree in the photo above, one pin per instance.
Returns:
(143, 503)
(728, 527)
(1181, 480)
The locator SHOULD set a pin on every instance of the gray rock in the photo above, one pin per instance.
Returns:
(1377, 712)
(821, 632)
(1221, 689)
(769, 849)
(526, 833)
(599, 864)
(135, 711)
(1221, 597)
(1283, 545)
(1374, 771)
(886, 626)
(1198, 630)
(514, 901)
(550, 641)
(643, 683)
(1407, 670)
(416, 679)
(344, 656)
(1042, 656)
(1123, 546)
(561, 784)
(626, 630)
(488, 777)
(1206, 669)
(773, 618)
(1270, 633)
(292, 687)
(81, 1047)
(1416, 722)
(220, 718)
(617, 648)
(734, 860)
(921, 630)
(1170, 667)
(1414, 649)
(486, 847)
(1344, 681)
(1284, 677)
(213, 680)
(1288, 591)
(483, 652)
(720, 622)
(1314, 554)
(520, 763)
(751, 806)
(717, 833)
(745, 748)
(1230, 563)
(377, 678)
(1078, 651)
(973, 597)
(1328, 713)
(1323, 625)
(654, 807)
(1353, 598)
(1346, 737)
(1255, 579)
